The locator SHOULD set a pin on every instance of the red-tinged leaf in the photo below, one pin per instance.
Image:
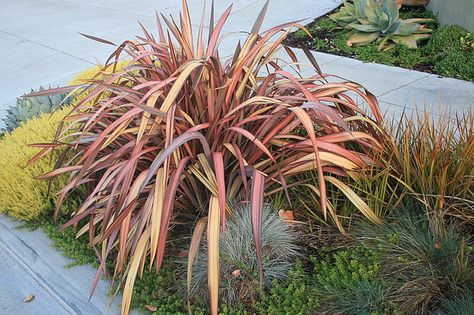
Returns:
(261, 16)
(186, 137)
(211, 22)
(252, 138)
(313, 61)
(220, 177)
(132, 272)
(213, 267)
(59, 90)
(242, 164)
(38, 155)
(97, 39)
(308, 125)
(160, 28)
(215, 31)
(59, 171)
(193, 251)
(168, 208)
(45, 145)
(256, 205)
(151, 110)
(157, 210)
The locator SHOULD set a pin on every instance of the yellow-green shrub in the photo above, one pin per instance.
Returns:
(89, 73)
(21, 195)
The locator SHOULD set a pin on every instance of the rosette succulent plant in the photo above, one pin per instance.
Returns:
(379, 21)
(30, 107)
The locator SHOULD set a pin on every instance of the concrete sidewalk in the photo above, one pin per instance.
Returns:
(30, 266)
(40, 45)
(40, 42)
(399, 89)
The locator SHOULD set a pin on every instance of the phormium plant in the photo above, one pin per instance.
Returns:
(181, 131)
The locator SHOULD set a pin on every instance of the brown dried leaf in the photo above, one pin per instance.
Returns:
(236, 273)
(151, 308)
(286, 215)
(28, 298)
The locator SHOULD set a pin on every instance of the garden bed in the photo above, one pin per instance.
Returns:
(448, 52)
(219, 188)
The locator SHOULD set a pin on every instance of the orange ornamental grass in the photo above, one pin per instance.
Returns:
(180, 131)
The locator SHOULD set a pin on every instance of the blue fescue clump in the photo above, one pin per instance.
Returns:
(239, 265)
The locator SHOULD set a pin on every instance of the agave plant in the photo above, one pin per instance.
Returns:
(182, 131)
(372, 20)
(30, 107)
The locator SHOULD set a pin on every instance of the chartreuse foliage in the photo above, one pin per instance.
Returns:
(180, 131)
(21, 195)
